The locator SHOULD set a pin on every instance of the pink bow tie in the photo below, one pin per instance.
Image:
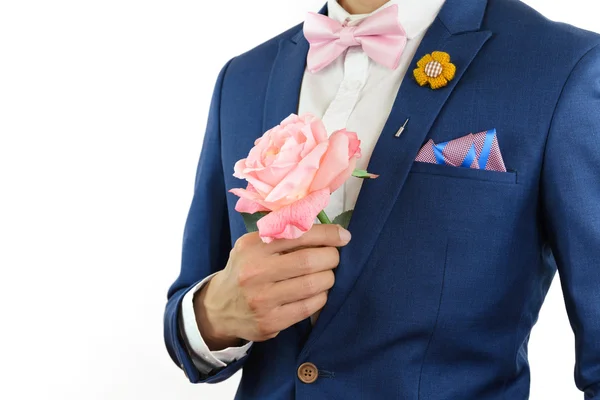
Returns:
(381, 36)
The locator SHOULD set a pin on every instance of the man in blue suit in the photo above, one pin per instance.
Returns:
(436, 293)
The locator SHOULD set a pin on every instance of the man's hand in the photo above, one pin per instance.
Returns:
(266, 288)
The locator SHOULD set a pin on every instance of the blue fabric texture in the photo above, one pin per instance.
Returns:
(437, 293)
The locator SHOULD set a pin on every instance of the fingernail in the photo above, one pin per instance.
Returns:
(345, 235)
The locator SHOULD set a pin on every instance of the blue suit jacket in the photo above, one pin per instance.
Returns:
(436, 294)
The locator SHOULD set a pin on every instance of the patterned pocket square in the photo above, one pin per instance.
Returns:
(477, 151)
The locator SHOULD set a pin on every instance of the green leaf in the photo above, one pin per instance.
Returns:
(361, 173)
(250, 220)
(343, 219)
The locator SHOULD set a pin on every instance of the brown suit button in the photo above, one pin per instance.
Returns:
(308, 372)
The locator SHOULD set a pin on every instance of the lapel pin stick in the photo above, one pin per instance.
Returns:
(402, 128)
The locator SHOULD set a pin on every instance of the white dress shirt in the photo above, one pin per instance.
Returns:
(355, 93)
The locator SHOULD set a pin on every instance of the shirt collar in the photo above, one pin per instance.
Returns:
(415, 16)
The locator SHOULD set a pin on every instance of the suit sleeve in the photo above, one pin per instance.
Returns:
(206, 361)
(206, 243)
(571, 204)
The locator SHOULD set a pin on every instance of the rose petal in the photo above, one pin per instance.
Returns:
(297, 182)
(244, 205)
(274, 174)
(254, 198)
(293, 220)
(260, 186)
(309, 141)
(353, 145)
(291, 119)
(343, 147)
(318, 130)
(339, 180)
(238, 168)
(250, 200)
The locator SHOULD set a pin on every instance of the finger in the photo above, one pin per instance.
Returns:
(319, 235)
(296, 249)
(247, 242)
(302, 262)
(300, 288)
(292, 313)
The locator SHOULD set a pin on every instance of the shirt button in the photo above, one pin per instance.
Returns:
(308, 372)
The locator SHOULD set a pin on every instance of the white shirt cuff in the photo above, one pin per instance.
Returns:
(204, 359)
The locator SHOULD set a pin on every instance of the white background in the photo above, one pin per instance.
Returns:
(102, 110)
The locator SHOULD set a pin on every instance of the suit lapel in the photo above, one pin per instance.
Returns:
(393, 157)
(283, 89)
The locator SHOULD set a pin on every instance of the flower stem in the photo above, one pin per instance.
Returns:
(323, 218)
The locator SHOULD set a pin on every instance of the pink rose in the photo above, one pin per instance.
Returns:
(291, 172)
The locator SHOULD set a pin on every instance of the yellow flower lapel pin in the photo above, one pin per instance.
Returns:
(435, 69)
